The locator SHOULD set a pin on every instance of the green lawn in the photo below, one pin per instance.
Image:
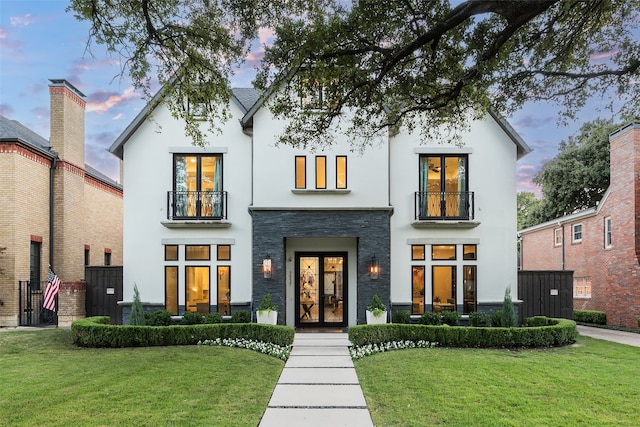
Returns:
(46, 380)
(591, 383)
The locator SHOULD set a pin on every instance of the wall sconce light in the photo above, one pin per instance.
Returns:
(266, 267)
(374, 268)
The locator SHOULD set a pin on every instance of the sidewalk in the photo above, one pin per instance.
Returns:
(318, 386)
(620, 337)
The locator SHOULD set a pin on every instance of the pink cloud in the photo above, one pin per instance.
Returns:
(604, 55)
(102, 102)
(22, 21)
(11, 45)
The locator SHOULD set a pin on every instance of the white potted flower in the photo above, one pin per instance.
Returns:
(267, 312)
(376, 312)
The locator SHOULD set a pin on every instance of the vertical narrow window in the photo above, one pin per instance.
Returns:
(35, 252)
(576, 231)
(469, 252)
(417, 252)
(444, 288)
(87, 254)
(171, 252)
(197, 287)
(557, 236)
(607, 232)
(301, 172)
(224, 290)
(171, 289)
(107, 257)
(224, 253)
(341, 172)
(469, 291)
(321, 172)
(417, 289)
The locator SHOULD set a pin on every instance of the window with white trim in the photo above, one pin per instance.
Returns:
(607, 232)
(582, 287)
(576, 233)
(557, 237)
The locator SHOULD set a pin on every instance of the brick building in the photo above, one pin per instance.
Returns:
(55, 210)
(600, 244)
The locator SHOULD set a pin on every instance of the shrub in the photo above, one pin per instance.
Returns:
(376, 306)
(158, 318)
(479, 319)
(536, 321)
(137, 312)
(590, 316)
(191, 318)
(267, 304)
(430, 318)
(496, 318)
(241, 316)
(508, 312)
(451, 318)
(402, 316)
(211, 318)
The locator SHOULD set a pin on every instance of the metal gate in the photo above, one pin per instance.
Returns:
(30, 305)
(546, 293)
(104, 290)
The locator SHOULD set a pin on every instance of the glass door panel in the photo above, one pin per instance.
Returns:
(444, 288)
(333, 289)
(309, 289)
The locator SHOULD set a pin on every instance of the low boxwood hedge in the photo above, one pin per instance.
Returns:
(556, 332)
(590, 316)
(98, 332)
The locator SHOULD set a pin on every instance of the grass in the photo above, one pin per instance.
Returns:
(46, 380)
(590, 383)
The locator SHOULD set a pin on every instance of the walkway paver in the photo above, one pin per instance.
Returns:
(318, 386)
(621, 337)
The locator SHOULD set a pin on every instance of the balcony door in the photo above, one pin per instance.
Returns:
(443, 186)
(198, 186)
(321, 289)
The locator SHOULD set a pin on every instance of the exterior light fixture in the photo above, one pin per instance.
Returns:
(266, 267)
(374, 268)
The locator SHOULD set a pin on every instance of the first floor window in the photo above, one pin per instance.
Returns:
(224, 290)
(171, 252)
(444, 288)
(34, 264)
(417, 252)
(469, 289)
(107, 258)
(417, 306)
(197, 289)
(582, 287)
(171, 289)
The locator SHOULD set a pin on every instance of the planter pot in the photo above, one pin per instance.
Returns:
(269, 317)
(376, 320)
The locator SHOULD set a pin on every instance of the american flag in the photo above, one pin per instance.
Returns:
(53, 286)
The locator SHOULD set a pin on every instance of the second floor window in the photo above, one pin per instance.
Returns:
(607, 232)
(443, 188)
(557, 237)
(198, 185)
(576, 231)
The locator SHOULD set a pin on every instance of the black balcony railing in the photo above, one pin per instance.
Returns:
(196, 205)
(444, 205)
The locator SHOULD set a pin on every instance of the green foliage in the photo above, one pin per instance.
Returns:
(401, 316)
(430, 318)
(538, 321)
(241, 316)
(479, 319)
(559, 332)
(267, 304)
(578, 176)
(158, 318)
(527, 206)
(496, 318)
(96, 332)
(590, 316)
(137, 312)
(509, 319)
(191, 318)
(451, 318)
(210, 318)
(449, 65)
(376, 306)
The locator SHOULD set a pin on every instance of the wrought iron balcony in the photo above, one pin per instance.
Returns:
(196, 205)
(441, 205)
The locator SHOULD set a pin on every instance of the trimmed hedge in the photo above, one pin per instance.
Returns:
(557, 332)
(98, 332)
(590, 316)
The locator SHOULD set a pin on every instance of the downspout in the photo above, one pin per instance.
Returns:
(562, 227)
(54, 163)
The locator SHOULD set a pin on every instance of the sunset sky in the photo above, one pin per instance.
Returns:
(40, 41)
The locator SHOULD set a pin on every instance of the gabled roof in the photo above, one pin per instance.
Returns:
(14, 131)
(244, 98)
(523, 148)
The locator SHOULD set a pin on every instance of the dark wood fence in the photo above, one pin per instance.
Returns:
(104, 290)
(546, 293)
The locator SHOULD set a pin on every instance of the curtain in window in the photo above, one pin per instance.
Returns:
(462, 187)
(424, 178)
(217, 187)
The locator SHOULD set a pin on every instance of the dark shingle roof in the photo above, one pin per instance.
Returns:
(246, 97)
(14, 130)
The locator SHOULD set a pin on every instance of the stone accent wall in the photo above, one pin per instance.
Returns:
(370, 227)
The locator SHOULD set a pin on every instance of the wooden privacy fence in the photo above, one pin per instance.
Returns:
(546, 293)
(104, 290)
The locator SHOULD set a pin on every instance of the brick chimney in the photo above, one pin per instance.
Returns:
(67, 121)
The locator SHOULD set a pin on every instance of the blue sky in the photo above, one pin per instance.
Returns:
(40, 41)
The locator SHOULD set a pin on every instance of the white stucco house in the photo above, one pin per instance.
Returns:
(426, 226)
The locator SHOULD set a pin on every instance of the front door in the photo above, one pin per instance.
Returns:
(321, 289)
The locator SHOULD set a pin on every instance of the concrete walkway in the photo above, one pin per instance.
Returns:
(620, 337)
(318, 386)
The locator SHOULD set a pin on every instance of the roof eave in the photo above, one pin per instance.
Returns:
(523, 148)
